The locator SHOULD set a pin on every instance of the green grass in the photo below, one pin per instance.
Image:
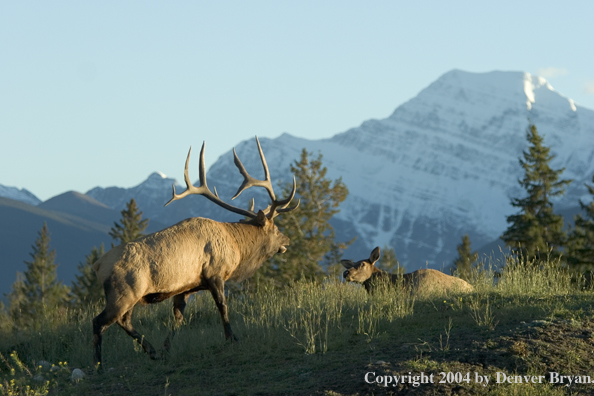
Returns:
(323, 339)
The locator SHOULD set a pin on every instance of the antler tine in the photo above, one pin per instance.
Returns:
(287, 201)
(203, 188)
(189, 187)
(249, 181)
(264, 164)
(281, 206)
(288, 209)
(278, 210)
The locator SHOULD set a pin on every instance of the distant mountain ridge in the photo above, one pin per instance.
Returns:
(22, 195)
(443, 164)
(76, 223)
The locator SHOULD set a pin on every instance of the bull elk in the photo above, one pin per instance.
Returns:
(423, 282)
(194, 254)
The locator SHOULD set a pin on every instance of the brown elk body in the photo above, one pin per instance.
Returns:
(422, 283)
(192, 255)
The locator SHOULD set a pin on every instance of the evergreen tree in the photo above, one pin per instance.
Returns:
(5, 320)
(312, 236)
(466, 258)
(131, 227)
(580, 247)
(536, 230)
(86, 289)
(389, 262)
(37, 291)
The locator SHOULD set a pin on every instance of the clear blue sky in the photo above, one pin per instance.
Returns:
(105, 93)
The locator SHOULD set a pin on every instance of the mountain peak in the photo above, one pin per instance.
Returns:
(508, 89)
(157, 176)
(16, 194)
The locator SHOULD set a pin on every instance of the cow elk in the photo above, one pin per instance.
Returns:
(422, 283)
(194, 254)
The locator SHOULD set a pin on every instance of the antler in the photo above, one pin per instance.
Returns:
(248, 181)
(277, 206)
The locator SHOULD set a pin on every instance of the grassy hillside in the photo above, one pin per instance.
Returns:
(328, 339)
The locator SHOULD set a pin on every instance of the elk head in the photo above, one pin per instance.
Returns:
(361, 270)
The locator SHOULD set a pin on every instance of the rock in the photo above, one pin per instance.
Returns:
(44, 365)
(77, 375)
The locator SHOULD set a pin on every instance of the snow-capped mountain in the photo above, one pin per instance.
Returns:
(22, 195)
(150, 196)
(442, 165)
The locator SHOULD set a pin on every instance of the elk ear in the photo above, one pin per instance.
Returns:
(347, 264)
(261, 219)
(375, 255)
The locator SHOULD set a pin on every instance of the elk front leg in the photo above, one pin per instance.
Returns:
(217, 289)
(179, 305)
(100, 325)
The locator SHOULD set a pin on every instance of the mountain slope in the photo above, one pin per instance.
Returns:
(76, 223)
(71, 237)
(83, 206)
(22, 195)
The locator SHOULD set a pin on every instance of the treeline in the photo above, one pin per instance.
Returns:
(536, 233)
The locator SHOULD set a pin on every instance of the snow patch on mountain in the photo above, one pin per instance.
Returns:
(22, 195)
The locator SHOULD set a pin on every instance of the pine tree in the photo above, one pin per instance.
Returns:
(5, 320)
(466, 258)
(131, 227)
(580, 246)
(389, 262)
(309, 229)
(37, 292)
(536, 230)
(86, 289)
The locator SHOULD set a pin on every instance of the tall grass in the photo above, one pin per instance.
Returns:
(307, 318)
(313, 314)
(527, 277)
(310, 316)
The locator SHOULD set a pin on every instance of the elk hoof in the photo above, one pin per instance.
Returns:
(232, 338)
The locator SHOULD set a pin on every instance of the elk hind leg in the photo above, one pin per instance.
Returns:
(217, 289)
(179, 305)
(125, 322)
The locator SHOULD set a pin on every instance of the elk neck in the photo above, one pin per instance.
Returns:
(253, 246)
(378, 274)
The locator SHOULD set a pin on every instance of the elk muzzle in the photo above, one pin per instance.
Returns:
(347, 275)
